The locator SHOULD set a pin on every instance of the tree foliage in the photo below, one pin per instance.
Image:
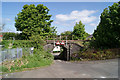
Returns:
(68, 34)
(34, 20)
(79, 31)
(38, 41)
(10, 36)
(107, 34)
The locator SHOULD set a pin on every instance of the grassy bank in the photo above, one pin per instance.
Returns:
(39, 58)
(95, 54)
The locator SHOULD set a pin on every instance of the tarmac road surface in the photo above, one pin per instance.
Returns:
(63, 69)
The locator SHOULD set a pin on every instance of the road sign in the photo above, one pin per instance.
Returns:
(57, 43)
(62, 43)
(57, 48)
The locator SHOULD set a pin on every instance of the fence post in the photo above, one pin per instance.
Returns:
(21, 52)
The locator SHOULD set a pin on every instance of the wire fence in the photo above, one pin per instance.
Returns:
(11, 54)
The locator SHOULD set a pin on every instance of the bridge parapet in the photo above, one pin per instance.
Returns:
(68, 41)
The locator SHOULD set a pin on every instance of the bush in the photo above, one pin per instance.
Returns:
(10, 36)
(22, 44)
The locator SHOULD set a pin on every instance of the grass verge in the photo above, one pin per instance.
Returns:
(92, 54)
(38, 59)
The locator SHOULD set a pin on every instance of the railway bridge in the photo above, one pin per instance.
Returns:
(69, 47)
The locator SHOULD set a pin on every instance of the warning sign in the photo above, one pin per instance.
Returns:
(62, 43)
(57, 43)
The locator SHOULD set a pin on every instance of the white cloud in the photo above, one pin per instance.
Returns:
(93, 24)
(67, 24)
(67, 21)
(84, 16)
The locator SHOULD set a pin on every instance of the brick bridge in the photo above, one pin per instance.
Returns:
(69, 48)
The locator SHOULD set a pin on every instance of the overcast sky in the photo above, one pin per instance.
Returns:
(64, 14)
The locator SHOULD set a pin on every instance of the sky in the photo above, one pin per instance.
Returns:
(64, 14)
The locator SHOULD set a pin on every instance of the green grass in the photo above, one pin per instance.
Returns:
(6, 43)
(38, 59)
(3, 68)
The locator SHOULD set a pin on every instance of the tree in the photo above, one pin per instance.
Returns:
(107, 34)
(33, 20)
(68, 34)
(79, 31)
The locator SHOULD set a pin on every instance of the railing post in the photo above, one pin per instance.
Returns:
(21, 52)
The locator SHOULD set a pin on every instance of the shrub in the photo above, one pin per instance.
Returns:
(10, 36)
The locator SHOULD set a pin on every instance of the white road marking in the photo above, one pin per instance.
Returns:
(102, 77)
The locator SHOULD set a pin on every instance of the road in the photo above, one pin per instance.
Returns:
(63, 69)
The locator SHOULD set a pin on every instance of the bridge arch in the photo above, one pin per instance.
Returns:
(68, 50)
